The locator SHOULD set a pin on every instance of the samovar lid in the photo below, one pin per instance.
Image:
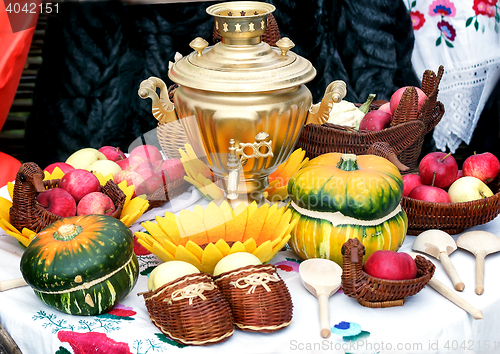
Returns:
(241, 62)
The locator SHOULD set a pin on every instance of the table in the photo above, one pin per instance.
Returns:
(427, 323)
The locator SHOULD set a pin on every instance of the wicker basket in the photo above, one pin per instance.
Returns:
(259, 298)
(26, 213)
(376, 292)
(169, 191)
(191, 310)
(452, 218)
(405, 138)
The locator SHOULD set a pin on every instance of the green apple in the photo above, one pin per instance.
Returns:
(104, 167)
(169, 271)
(84, 157)
(234, 261)
(468, 188)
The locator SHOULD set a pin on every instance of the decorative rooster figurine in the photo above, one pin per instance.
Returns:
(25, 211)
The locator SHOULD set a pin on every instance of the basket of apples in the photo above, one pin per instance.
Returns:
(394, 130)
(441, 196)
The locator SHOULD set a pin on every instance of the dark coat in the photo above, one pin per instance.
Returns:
(97, 53)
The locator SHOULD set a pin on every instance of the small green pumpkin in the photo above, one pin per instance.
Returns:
(82, 265)
(335, 197)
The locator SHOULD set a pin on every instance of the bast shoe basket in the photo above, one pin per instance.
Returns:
(191, 310)
(405, 136)
(259, 298)
(376, 292)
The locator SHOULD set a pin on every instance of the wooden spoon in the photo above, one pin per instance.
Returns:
(12, 283)
(481, 244)
(322, 278)
(439, 244)
(452, 296)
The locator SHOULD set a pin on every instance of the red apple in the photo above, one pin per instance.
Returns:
(375, 120)
(63, 166)
(95, 203)
(112, 153)
(460, 174)
(430, 194)
(484, 166)
(172, 169)
(443, 165)
(147, 152)
(410, 181)
(391, 265)
(153, 183)
(132, 178)
(396, 97)
(386, 107)
(148, 169)
(79, 182)
(57, 201)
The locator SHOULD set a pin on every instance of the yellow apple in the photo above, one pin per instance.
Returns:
(84, 157)
(468, 188)
(234, 261)
(169, 271)
(104, 167)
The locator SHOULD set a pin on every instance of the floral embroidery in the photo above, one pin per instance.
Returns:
(418, 19)
(120, 312)
(92, 342)
(442, 8)
(488, 8)
(349, 331)
(290, 265)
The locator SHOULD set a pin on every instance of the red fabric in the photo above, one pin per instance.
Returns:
(8, 168)
(14, 48)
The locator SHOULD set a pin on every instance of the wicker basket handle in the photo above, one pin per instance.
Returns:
(162, 108)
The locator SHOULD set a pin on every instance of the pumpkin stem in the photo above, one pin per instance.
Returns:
(348, 162)
(67, 232)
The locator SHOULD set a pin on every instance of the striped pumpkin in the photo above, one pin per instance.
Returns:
(81, 265)
(335, 197)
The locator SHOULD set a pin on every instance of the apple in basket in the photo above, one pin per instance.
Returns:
(467, 189)
(169, 271)
(438, 169)
(484, 166)
(95, 203)
(410, 181)
(63, 166)
(104, 167)
(112, 153)
(430, 194)
(375, 120)
(396, 98)
(146, 152)
(80, 182)
(84, 157)
(132, 178)
(173, 169)
(390, 265)
(58, 201)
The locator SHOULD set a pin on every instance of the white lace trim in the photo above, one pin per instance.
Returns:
(464, 92)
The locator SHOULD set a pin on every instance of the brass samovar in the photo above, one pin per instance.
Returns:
(241, 102)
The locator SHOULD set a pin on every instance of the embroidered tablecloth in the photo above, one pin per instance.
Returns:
(427, 323)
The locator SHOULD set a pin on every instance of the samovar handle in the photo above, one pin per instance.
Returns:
(334, 93)
(162, 108)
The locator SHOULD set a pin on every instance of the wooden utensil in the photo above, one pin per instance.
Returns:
(322, 278)
(440, 245)
(452, 296)
(481, 244)
(12, 283)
